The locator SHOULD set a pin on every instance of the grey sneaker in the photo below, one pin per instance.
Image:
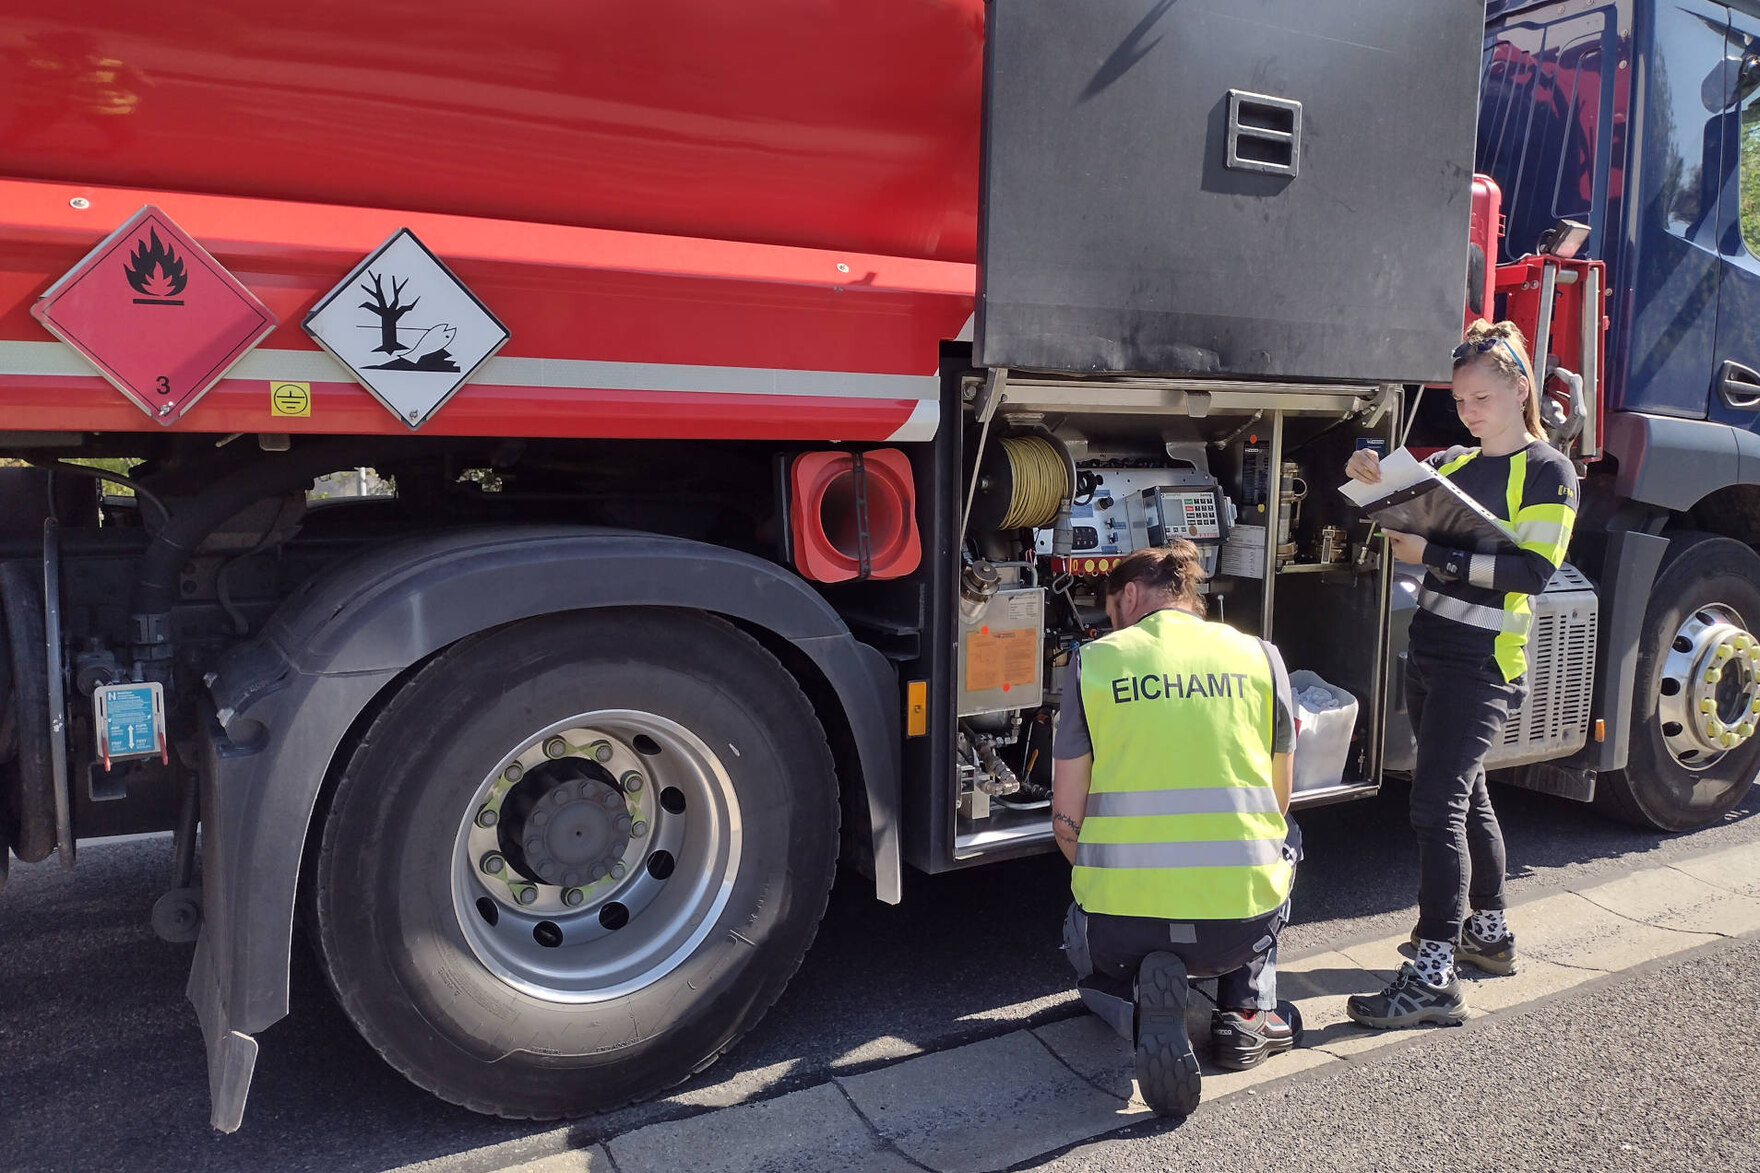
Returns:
(1167, 1070)
(1492, 956)
(1409, 1001)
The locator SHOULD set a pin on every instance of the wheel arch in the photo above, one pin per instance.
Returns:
(289, 702)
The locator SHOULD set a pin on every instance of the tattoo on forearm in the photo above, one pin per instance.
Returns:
(1060, 817)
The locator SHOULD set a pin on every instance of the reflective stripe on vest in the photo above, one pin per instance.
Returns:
(1543, 529)
(1498, 619)
(1181, 821)
(1200, 800)
(1227, 853)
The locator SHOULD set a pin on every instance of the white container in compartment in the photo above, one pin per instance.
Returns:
(1323, 738)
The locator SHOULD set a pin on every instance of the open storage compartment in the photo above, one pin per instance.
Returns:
(1256, 472)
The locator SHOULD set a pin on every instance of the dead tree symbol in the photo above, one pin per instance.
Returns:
(389, 313)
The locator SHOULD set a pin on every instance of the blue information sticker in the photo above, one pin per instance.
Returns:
(131, 719)
(1376, 444)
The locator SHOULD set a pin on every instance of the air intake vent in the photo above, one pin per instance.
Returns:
(1554, 719)
(1264, 133)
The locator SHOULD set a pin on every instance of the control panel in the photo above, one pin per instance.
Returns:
(1118, 510)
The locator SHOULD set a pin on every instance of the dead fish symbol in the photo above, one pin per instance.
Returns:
(433, 338)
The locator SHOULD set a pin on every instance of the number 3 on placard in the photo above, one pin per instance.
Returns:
(163, 384)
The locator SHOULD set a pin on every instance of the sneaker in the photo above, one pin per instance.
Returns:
(1167, 1070)
(1492, 956)
(1409, 1001)
(1241, 1039)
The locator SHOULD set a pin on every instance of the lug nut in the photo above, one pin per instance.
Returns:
(574, 897)
(559, 795)
(514, 772)
(623, 824)
(632, 783)
(556, 747)
(1745, 729)
(1707, 705)
(610, 801)
(638, 829)
(526, 895)
(1713, 675)
(571, 878)
(587, 789)
(533, 843)
(618, 870)
(487, 817)
(493, 863)
(601, 751)
(599, 870)
(1724, 652)
(540, 817)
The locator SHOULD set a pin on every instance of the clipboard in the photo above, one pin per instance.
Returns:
(1414, 498)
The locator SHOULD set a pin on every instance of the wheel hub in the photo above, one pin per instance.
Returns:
(574, 834)
(596, 856)
(1710, 688)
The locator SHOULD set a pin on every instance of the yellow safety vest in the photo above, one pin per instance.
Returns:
(1181, 820)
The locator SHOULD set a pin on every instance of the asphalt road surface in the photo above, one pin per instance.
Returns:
(1602, 1080)
(101, 1063)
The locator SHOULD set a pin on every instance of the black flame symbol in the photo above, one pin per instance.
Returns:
(153, 269)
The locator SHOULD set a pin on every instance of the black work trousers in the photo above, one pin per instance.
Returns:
(1458, 706)
(1106, 950)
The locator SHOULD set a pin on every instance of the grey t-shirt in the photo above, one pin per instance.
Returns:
(1072, 739)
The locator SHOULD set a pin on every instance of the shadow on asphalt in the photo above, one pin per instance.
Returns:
(101, 1063)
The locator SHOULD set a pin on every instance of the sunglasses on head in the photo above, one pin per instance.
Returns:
(1479, 346)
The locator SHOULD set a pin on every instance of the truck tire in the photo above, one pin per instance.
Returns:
(572, 860)
(1676, 778)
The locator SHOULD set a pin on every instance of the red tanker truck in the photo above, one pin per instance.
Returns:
(752, 399)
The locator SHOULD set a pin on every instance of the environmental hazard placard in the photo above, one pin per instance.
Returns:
(407, 328)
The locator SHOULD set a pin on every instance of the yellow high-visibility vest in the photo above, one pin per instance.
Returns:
(1181, 820)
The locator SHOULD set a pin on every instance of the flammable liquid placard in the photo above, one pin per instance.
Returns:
(155, 314)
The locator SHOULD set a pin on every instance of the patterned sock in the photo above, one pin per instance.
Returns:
(1435, 962)
(1488, 924)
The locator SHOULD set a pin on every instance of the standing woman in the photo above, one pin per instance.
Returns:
(1465, 671)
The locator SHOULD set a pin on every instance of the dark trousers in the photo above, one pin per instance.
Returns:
(1106, 950)
(1237, 952)
(1458, 708)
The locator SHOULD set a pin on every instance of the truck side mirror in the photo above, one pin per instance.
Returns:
(1748, 77)
(1731, 80)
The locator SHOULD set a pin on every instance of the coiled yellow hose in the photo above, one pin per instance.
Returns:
(1040, 479)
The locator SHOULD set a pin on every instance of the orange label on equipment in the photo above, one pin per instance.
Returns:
(998, 660)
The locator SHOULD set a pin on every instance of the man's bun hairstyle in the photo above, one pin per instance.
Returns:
(1176, 568)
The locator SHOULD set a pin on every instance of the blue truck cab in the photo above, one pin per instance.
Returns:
(1642, 120)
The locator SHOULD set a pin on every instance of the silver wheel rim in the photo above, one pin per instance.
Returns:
(1709, 694)
(547, 921)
